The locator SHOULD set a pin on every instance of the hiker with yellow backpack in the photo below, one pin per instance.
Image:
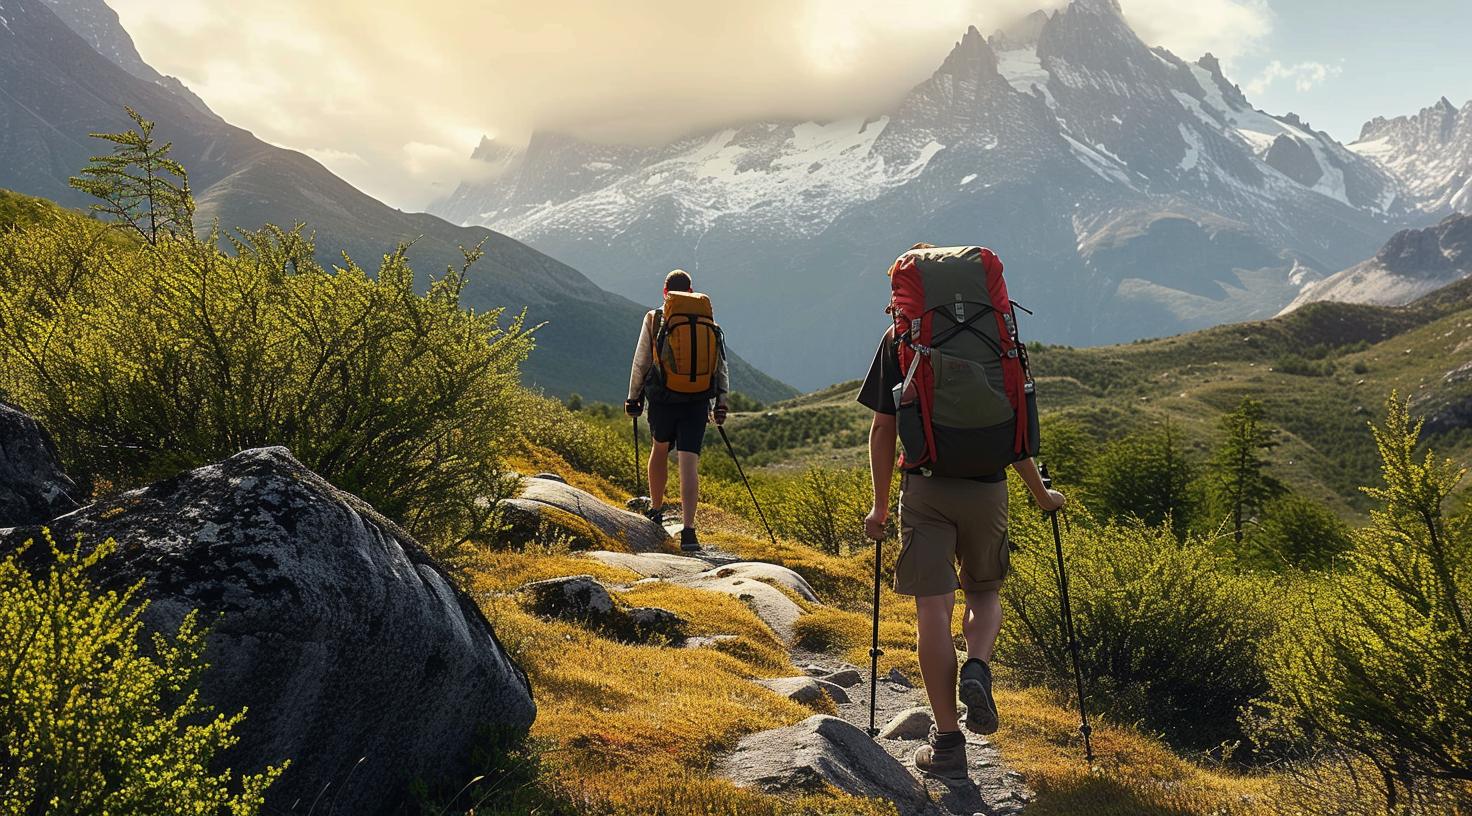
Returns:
(680, 366)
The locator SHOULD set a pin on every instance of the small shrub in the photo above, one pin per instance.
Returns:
(825, 508)
(1168, 632)
(1298, 532)
(1146, 476)
(92, 720)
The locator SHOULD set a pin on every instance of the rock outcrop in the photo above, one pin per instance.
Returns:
(33, 487)
(582, 599)
(329, 624)
(631, 530)
(819, 751)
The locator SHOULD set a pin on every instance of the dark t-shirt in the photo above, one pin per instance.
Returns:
(877, 392)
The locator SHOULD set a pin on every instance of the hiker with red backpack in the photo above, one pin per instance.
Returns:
(680, 365)
(950, 383)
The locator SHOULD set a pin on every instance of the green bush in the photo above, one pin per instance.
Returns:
(148, 358)
(602, 446)
(1145, 476)
(825, 508)
(1168, 631)
(91, 720)
(1377, 664)
(1297, 532)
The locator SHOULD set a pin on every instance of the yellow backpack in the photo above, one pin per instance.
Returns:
(688, 347)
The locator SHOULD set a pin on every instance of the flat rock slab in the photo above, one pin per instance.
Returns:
(652, 565)
(637, 532)
(777, 611)
(819, 751)
(770, 573)
(746, 580)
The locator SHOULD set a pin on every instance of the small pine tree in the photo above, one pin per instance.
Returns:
(1237, 478)
(138, 185)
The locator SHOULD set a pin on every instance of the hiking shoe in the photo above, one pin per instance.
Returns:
(655, 514)
(943, 755)
(688, 541)
(976, 692)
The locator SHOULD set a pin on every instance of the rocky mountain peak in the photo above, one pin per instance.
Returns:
(971, 56)
(1021, 33)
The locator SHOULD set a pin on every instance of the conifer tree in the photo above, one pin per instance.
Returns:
(1238, 478)
(138, 185)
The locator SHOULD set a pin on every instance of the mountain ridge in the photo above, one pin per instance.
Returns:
(1085, 157)
(55, 88)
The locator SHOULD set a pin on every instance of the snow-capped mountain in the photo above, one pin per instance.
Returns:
(1130, 192)
(1429, 153)
(1413, 263)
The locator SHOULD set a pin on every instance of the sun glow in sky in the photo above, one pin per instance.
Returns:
(394, 97)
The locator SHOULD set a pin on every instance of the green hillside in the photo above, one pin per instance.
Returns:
(1321, 372)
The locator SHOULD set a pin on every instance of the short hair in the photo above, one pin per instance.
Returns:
(922, 245)
(677, 281)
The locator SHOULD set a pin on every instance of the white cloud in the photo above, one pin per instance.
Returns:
(394, 96)
(1304, 75)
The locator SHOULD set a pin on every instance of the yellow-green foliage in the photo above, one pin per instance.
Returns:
(147, 358)
(90, 721)
(1169, 632)
(1378, 661)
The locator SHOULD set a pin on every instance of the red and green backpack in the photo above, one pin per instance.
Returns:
(965, 405)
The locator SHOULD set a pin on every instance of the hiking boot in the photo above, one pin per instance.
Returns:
(688, 541)
(976, 692)
(656, 515)
(943, 755)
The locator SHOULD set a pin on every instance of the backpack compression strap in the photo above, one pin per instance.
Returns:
(1014, 377)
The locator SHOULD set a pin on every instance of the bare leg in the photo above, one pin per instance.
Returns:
(659, 472)
(938, 657)
(689, 485)
(982, 623)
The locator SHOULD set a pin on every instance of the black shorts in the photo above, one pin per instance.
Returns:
(682, 423)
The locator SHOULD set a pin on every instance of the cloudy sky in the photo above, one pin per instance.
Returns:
(394, 99)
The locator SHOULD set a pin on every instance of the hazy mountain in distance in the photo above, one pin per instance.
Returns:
(96, 22)
(1429, 153)
(1413, 263)
(1130, 193)
(55, 88)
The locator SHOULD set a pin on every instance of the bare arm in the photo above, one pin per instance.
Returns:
(882, 435)
(1047, 498)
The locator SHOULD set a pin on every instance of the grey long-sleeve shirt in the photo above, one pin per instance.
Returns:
(644, 360)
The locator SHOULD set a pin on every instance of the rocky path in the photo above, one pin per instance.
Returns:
(903, 718)
(821, 750)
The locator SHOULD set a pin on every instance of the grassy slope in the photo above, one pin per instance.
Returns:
(1192, 378)
(561, 364)
(634, 729)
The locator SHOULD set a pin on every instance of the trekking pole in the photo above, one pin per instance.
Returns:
(874, 650)
(1068, 631)
(749, 492)
(637, 481)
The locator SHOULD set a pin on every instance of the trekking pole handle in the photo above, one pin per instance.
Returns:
(1047, 479)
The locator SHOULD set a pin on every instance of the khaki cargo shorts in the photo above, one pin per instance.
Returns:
(946, 522)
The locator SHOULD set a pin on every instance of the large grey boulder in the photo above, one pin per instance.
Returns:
(33, 487)
(636, 532)
(328, 622)
(819, 751)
